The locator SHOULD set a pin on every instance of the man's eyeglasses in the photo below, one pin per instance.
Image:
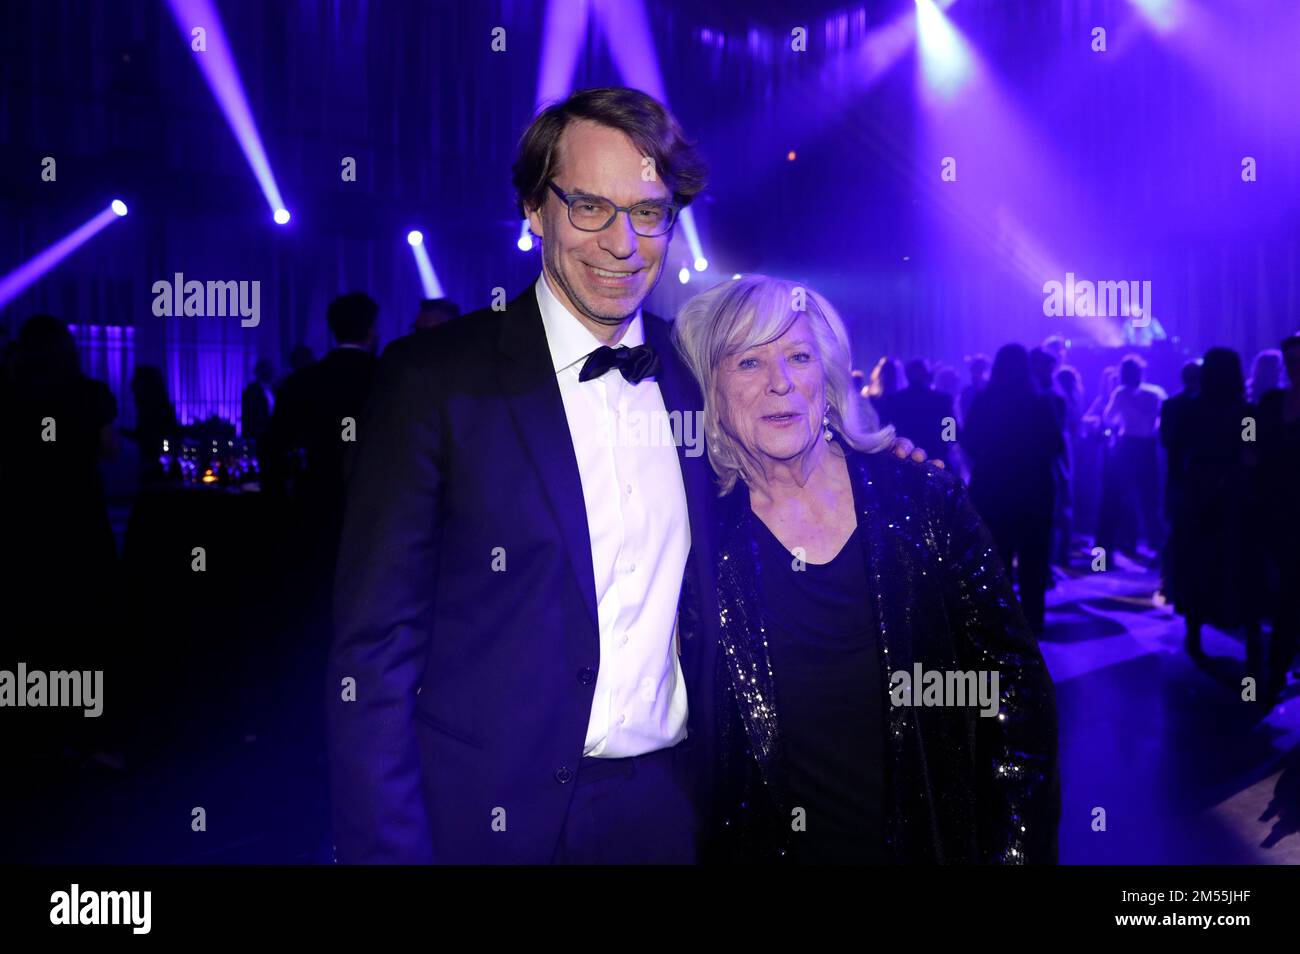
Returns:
(593, 213)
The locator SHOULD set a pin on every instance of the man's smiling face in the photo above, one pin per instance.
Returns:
(602, 277)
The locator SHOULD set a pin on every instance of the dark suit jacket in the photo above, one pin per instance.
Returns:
(474, 684)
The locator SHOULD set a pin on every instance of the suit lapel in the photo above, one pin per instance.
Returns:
(532, 392)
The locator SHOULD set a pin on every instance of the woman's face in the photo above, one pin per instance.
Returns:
(773, 395)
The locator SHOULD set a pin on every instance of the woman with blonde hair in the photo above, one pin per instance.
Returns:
(843, 574)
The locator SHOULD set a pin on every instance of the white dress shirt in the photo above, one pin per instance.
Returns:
(640, 536)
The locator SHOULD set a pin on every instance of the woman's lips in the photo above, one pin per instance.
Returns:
(781, 420)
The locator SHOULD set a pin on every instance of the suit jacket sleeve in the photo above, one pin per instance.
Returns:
(384, 593)
(1019, 796)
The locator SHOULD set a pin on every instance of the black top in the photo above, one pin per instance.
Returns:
(826, 669)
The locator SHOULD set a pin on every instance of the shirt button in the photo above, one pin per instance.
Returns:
(563, 775)
(629, 490)
(586, 675)
(622, 719)
(623, 640)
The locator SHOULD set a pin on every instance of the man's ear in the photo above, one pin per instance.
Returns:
(534, 216)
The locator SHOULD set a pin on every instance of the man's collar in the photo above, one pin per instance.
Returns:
(567, 337)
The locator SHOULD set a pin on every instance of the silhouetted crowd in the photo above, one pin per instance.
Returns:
(78, 595)
(1201, 486)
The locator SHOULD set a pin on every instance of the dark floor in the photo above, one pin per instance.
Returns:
(1186, 771)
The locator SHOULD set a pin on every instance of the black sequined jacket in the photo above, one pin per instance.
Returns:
(959, 787)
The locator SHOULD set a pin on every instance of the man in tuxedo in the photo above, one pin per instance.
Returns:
(524, 620)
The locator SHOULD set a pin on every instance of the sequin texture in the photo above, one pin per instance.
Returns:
(960, 788)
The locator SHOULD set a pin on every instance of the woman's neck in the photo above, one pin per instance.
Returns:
(810, 473)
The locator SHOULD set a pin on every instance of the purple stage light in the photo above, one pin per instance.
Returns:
(25, 275)
(1250, 58)
(1161, 14)
(684, 275)
(218, 67)
(627, 31)
(525, 242)
(687, 220)
(945, 57)
(428, 277)
(562, 34)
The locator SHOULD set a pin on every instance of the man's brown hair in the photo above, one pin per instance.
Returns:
(652, 129)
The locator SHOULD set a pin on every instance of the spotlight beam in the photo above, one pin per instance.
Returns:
(218, 67)
(566, 22)
(428, 278)
(691, 234)
(945, 57)
(627, 31)
(25, 275)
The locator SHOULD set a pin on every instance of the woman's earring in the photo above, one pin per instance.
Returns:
(826, 424)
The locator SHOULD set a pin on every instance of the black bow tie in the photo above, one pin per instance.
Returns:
(635, 364)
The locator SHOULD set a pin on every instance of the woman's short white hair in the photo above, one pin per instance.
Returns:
(753, 310)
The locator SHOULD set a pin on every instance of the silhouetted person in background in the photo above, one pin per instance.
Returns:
(979, 377)
(58, 560)
(1265, 374)
(1059, 348)
(1279, 460)
(1097, 487)
(1209, 555)
(1012, 440)
(886, 381)
(918, 412)
(318, 412)
(316, 416)
(300, 357)
(1070, 388)
(258, 402)
(948, 381)
(433, 312)
(1042, 368)
(155, 420)
(1133, 411)
(1171, 426)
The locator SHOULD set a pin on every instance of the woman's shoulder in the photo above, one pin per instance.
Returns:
(896, 479)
